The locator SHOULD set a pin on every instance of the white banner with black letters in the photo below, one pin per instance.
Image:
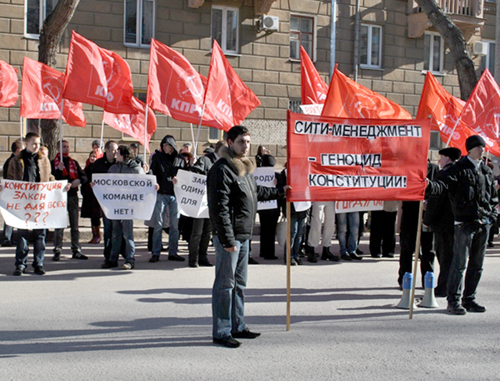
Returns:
(191, 194)
(264, 176)
(125, 196)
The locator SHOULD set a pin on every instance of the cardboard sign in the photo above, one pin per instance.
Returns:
(264, 176)
(26, 205)
(357, 206)
(191, 194)
(337, 159)
(125, 196)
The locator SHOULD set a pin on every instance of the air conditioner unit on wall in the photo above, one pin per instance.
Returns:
(269, 23)
(480, 48)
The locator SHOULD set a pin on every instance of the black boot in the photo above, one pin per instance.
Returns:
(327, 256)
(311, 255)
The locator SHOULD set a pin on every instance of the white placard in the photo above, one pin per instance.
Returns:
(26, 205)
(314, 109)
(125, 196)
(191, 194)
(357, 206)
(264, 176)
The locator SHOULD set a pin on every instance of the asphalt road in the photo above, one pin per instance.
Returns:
(79, 322)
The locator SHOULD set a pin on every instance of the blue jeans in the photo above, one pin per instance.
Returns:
(73, 211)
(470, 244)
(297, 226)
(348, 245)
(125, 229)
(22, 248)
(162, 200)
(108, 231)
(228, 297)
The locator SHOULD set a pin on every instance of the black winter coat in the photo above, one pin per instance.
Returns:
(438, 214)
(232, 197)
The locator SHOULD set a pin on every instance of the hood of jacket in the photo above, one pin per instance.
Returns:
(242, 166)
(171, 141)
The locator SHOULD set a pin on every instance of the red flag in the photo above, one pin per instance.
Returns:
(349, 99)
(313, 88)
(133, 124)
(98, 77)
(8, 85)
(227, 96)
(337, 159)
(481, 113)
(41, 91)
(444, 112)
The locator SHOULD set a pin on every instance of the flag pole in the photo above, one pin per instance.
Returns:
(102, 133)
(417, 251)
(21, 127)
(146, 132)
(192, 138)
(288, 261)
(452, 132)
(61, 132)
(199, 128)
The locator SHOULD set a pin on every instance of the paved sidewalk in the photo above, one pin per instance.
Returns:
(79, 322)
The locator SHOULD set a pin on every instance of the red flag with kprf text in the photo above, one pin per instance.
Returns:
(98, 77)
(313, 87)
(337, 159)
(41, 93)
(8, 85)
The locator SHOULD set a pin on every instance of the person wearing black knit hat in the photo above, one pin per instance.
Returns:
(473, 196)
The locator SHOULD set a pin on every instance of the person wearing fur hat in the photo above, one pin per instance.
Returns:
(232, 203)
(474, 199)
(33, 167)
(164, 165)
(439, 216)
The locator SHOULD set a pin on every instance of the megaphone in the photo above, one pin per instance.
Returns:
(404, 303)
(429, 300)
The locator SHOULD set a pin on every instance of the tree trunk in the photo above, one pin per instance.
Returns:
(455, 40)
(50, 36)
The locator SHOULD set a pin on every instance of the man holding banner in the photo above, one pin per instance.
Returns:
(232, 203)
(33, 167)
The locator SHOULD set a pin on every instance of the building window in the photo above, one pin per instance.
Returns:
(225, 28)
(435, 142)
(214, 134)
(433, 53)
(36, 12)
(139, 22)
(371, 46)
(294, 105)
(301, 33)
(488, 61)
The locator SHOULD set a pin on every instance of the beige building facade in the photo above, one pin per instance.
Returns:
(393, 47)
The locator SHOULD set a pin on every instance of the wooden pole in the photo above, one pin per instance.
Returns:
(288, 261)
(146, 134)
(417, 251)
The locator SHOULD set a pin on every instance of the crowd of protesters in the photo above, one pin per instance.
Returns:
(459, 220)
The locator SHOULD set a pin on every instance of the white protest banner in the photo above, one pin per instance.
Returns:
(357, 206)
(125, 196)
(191, 194)
(264, 176)
(26, 205)
(314, 109)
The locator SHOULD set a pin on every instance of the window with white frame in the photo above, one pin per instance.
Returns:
(139, 22)
(488, 61)
(225, 22)
(36, 12)
(301, 33)
(370, 46)
(214, 134)
(433, 53)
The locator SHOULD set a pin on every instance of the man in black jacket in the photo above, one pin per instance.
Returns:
(69, 169)
(232, 202)
(16, 149)
(164, 166)
(474, 198)
(439, 216)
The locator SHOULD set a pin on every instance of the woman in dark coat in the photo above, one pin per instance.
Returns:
(90, 206)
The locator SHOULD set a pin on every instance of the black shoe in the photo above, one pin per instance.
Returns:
(299, 261)
(7, 243)
(79, 255)
(311, 257)
(227, 341)
(39, 270)
(355, 256)
(389, 255)
(293, 262)
(376, 255)
(176, 257)
(359, 252)
(246, 334)
(56, 257)
(252, 261)
(456, 309)
(20, 270)
(206, 264)
(271, 258)
(154, 258)
(345, 257)
(327, 256)
(128, 266)
(472, 306)
(194, 265)
(109, 265)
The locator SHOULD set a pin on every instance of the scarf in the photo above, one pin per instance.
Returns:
(73, 171)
